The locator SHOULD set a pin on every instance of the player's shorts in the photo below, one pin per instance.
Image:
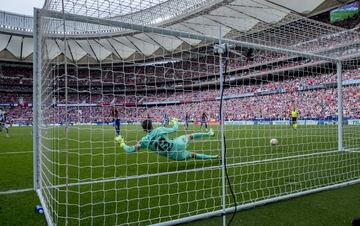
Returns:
(180, 153)
(182, 141)
(116, 122)
(203, 121)
(294, 119)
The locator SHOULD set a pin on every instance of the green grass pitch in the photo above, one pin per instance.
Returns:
(257, 170)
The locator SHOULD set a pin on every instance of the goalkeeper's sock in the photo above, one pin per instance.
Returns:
(205, 156)
(295, 126)
(129, 149)
(201, 135)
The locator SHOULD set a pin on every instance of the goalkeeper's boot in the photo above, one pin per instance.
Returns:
(215, 157)
(211, 133)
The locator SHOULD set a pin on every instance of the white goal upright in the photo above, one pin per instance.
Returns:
(279, 91)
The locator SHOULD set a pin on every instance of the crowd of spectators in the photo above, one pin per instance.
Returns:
(318, 103)
(202, 66)
(329, 42)
(104, 80)
(288, 85)
(173, 74)
(312, 104)
(96, 90)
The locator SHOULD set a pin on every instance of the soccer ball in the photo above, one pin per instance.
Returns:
(274, 141)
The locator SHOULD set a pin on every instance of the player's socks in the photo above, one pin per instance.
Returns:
(129, 149)
(117, 130)
(205, 156)
(199, 135)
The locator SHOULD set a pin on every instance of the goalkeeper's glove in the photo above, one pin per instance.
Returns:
(174, 121)
(120, 140)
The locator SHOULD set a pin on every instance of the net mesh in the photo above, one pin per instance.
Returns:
(92, 74)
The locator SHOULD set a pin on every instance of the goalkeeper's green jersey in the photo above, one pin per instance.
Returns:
(158, 141)
(175, 149)
(294, 114)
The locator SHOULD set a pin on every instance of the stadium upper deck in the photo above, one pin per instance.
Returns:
(259, 21)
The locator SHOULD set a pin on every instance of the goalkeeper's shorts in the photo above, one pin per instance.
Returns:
(179, 152)
(180, 155)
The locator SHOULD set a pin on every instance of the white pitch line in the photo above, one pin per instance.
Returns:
(8, 192)
(15, 152)
(353, 150)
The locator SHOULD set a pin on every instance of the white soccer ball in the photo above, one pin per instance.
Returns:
(274, 141)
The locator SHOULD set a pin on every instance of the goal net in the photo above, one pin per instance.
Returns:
(266, 110)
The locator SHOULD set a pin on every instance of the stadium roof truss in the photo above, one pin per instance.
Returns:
(100, 32)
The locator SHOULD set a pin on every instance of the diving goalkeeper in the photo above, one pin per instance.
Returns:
(157, 141)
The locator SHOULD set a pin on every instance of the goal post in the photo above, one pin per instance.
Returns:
(340, 104)
(36, 119)
(36, 104)
(92, 69)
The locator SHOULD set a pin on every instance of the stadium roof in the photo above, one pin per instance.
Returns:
(280, 23)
